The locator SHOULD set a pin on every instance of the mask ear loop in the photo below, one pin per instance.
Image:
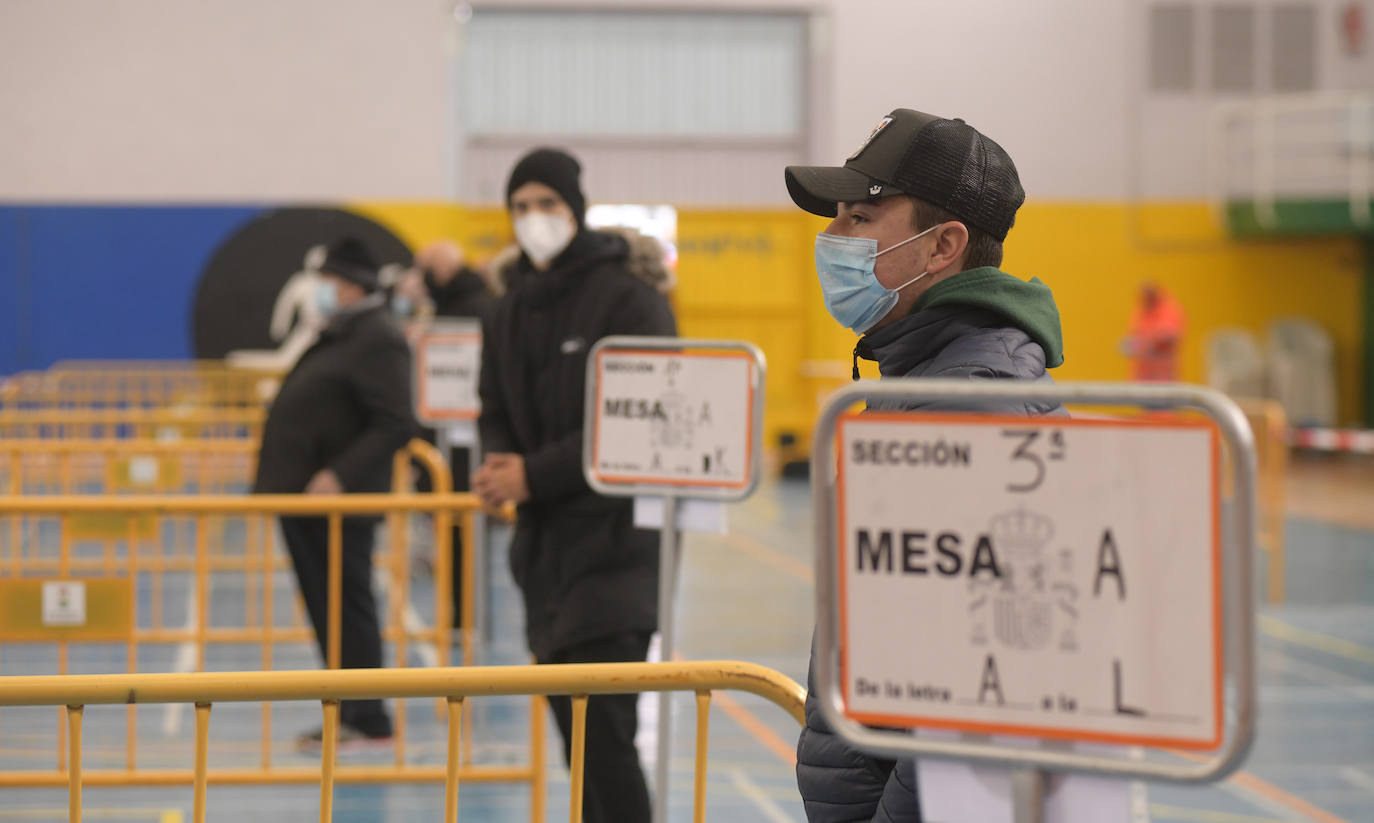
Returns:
(904, 242)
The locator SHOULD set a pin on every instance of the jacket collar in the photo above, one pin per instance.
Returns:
(901, 346)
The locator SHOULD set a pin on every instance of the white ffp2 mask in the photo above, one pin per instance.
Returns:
(543, 236)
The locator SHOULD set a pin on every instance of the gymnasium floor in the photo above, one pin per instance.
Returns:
(748, 595)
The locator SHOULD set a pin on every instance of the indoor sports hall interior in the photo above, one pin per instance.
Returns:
(1199, 179)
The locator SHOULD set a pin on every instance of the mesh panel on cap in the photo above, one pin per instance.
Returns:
(952, 166)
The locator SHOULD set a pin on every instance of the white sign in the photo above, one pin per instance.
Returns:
(447, 366)
(64, 603)
(1052, 578)
(143, 470)
(674, 419)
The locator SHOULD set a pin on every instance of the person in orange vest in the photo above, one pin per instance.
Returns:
(1156, 335)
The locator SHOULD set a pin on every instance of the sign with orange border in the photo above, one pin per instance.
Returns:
(1043, 577)
(676, 419)
(448, 362)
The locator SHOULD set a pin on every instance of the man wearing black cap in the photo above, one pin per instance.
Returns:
(337, 421)
(910, 262)
(587, 575)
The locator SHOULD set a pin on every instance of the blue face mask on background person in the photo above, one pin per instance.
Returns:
(402, 305)
(326, 298)
(852, 292)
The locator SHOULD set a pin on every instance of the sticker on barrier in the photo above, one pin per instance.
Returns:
(448, 360)
(1052, 578)
(674, 419)
(34, 610)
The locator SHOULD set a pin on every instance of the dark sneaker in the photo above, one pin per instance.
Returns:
(350, 740)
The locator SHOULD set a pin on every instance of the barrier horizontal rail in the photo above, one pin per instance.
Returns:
(454, 685)
(154, 466)
(112, 423)
(139, 384)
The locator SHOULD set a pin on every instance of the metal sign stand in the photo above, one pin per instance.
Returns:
(1030, 766)
(462, 406)
(670, 493)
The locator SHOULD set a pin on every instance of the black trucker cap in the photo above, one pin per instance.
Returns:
(946, 163)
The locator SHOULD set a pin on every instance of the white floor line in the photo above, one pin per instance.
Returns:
(410, 621)
(1361, 779)
(771, 810)
(185, 662)
(1352, 687)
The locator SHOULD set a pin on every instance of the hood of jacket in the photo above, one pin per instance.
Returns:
(642, 256)
(1029, 306)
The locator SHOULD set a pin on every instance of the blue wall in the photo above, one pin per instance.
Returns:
(107, 282)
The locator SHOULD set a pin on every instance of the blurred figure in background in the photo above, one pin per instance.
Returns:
(1156, 335)
(340, 416)
(441, 285)
(588, 577)
(455, 289)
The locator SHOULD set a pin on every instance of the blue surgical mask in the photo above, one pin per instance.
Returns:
(402, 305)
(852, 292)
(326, 298)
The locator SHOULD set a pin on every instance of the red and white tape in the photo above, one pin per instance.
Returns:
(1355, 441)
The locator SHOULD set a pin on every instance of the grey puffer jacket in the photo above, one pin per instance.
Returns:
(1006, 329)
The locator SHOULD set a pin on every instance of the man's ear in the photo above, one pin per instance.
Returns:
(951, 240)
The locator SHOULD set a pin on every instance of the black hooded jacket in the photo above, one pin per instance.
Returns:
(585, 572)
(345, 406)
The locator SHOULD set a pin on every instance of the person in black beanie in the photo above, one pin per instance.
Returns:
(588, 577)
(340, 416)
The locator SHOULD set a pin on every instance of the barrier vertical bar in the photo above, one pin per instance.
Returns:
(63, 570)
(443, 579)
(699, 776)
(202, 757)
(329, 743)
(74, 716)
(269, 561)
(469, 588)
(539, 777)
(16, 522)
(335, 594)
(202, 583)
(131, 712)
(399, 567)
(667, 636)
(455, 733)
(577, 768)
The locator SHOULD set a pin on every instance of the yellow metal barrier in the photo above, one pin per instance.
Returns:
(204, 690)
(111, 576)
(155, 424)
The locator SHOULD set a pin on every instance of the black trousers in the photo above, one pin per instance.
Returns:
(614, 790)
(307, 538)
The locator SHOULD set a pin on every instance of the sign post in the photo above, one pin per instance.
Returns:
(1058, 580)
(448, 361)
(672, 418)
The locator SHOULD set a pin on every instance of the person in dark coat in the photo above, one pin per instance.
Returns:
(456, 289)
(910, 262)
(588, 577)
(340, 416)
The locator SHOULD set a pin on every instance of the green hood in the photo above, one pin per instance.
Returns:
(1028, 306)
